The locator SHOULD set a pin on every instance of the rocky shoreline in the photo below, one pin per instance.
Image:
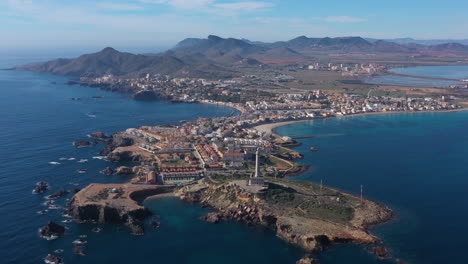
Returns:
(312, 234)
(279, 209)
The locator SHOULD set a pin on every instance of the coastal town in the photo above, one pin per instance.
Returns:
(209, 147)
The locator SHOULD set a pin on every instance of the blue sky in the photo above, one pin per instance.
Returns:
(162, 23)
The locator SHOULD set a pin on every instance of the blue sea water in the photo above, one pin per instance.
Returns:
(38, 124)
(450, 72)
(415, 163)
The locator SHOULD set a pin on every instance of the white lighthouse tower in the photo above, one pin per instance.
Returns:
(257, 178)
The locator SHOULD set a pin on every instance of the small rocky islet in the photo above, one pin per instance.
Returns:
(51, 230)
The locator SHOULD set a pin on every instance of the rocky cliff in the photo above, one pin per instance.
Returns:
(120, 149)
(113, 204)
(117, 140)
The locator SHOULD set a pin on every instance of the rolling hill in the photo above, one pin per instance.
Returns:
(108, 61)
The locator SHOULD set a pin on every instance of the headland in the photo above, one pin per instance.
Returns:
(217, 173)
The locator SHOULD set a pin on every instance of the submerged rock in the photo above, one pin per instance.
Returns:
(79, 250)
(154, 223)
(96, 229)
(108, 171)
(81, 143)
(79, 241)
(211, 218)
(307, 259)
(380, 251)
(58, 194)
(52, 259)
(51, 231)
(99, 135)
(41, 187)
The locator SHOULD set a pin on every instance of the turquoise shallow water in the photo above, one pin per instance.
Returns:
(415, 163)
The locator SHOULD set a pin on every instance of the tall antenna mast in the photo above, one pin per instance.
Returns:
(361, 193)
(321, 186)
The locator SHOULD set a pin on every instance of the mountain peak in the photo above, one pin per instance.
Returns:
(187, 42)
(214, 38)
(108, 49)
(300, 38)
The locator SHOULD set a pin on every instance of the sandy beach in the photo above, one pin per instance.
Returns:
(269, 128)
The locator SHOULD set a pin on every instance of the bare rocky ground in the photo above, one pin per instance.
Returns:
(301, 213)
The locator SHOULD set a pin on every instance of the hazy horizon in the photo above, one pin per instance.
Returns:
(49, 24)
(145, 48)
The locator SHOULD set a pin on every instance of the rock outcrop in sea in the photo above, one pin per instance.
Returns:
(307, 259)
(41, 187)
(107, 171)
(99, 135)
(58, 194)
(79, 250)
(51, 230)
(81, 143)
(52, 259)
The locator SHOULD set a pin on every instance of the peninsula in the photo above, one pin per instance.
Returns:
(237, 171)
(235, 180)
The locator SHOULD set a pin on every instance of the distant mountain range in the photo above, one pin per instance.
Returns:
(216, 57)
(421, 41)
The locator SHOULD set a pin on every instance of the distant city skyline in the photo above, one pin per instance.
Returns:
(159, 24)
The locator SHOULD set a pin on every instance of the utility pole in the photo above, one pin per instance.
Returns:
(321, 186)
(361, 193)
